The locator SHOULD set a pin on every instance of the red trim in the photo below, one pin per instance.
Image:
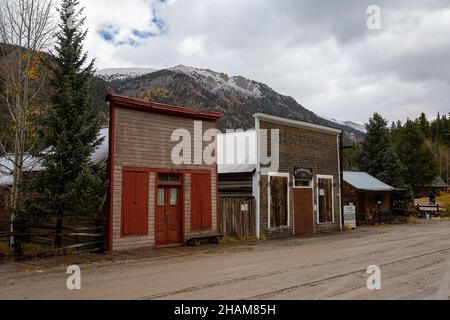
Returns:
(130, 103)
(218, 217)
(163, 170)
(111, 162)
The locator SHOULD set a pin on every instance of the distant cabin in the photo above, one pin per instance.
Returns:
(366, 193)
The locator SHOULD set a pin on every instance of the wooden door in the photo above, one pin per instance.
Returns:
(168, 216)
(303, 211)
(201, 207)
(135, 188)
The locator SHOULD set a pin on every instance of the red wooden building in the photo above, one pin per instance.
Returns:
(154, 201)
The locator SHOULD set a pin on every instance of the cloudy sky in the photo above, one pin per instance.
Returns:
(319, 52)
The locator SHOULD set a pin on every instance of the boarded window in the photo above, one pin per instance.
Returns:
(325, 192)
(278, 201)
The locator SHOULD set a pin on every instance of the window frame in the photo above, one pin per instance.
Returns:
(324, 177)
(311, 184)
(285, 175)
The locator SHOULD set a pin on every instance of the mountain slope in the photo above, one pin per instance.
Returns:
(237, 97)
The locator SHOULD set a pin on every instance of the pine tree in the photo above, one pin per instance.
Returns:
(377, 156)
(415, 155)
(70, 185)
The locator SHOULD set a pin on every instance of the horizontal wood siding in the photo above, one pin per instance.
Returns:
(142, 140)
(301, 148)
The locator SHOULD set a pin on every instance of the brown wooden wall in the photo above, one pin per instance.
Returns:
(302, 148)
(364, 201)
(234, 222)
(143, 140)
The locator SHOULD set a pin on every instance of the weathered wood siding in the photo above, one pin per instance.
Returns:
(143, 140)
(302, 148)
(234, 222)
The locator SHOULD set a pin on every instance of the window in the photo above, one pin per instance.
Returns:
(161, 197)
(378, 199)
(325, 199)
(298, 183)
(173, 197)
(278, 200)
(169, 178)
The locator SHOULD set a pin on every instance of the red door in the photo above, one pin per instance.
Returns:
(168, 219)
(201, 209)
(135, 190)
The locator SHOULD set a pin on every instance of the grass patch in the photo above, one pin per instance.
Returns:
(238, 239)
(4, 246)
(412, 220)
(444, 200)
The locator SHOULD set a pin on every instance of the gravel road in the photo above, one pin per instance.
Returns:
(414, 261)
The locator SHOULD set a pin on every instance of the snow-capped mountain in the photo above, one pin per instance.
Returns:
(238, 98)
(351, 124)
(112, 74)
(220, 83)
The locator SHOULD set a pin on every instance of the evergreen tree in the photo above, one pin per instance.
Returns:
(377, 156)
(70, 185)
(424, 125)
(416, 156)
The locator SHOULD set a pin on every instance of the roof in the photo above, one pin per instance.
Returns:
(31, 164)
(366, 182)
(236, 152)
(162, 108)
(438, 182)
(7, 167)
(296, 123)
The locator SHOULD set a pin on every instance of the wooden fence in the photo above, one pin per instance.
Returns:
(238, 217)
(82, 234)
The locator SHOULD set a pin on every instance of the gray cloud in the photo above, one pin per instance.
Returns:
(319, 52)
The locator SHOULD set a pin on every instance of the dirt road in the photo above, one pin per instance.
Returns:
(414, 262)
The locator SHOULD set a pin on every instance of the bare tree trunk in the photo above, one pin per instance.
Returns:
(24, 32)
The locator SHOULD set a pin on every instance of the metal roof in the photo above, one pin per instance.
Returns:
(364, 181)
(438, 182)
(236, 152)
(31, 164)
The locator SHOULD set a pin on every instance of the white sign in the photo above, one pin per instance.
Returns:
(244, 207)
(350, 216)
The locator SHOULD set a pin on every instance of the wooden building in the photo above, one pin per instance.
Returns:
(154, 201)
(298, 191)
(366, 193)
(436, 187)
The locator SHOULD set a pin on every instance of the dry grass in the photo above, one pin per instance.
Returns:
(412, 220)
(444, 200)
(4, 247)
(346, 228)
(237, 239)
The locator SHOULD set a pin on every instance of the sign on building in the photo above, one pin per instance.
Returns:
(350, 215)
